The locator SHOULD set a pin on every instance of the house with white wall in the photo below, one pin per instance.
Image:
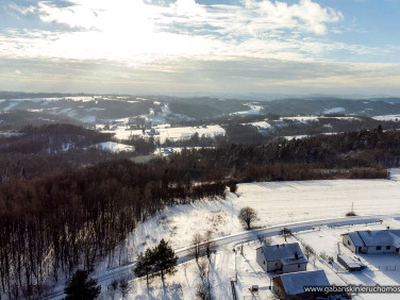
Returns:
(373, 241)
(283, 258)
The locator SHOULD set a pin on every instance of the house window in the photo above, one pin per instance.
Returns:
(378, 247)
(264, 262)
(387, 247)
(348, 242)
(298, 266)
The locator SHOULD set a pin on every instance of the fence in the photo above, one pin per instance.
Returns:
(389, 268)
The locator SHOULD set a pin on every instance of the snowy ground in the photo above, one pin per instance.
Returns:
(380, 268)
(387, 118)
(254, 109)
(114, 147)
(276, 203)
(164, 131)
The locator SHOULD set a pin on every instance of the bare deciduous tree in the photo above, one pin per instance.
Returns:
(247, 215)
(286, 233)
(204, 286)
(197, 240)
(124, 287)
(209, 245)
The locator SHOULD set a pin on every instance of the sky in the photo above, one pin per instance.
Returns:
(201, 46)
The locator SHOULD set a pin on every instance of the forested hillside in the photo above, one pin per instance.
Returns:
(51, 225)
(317, 157)
(34, 151)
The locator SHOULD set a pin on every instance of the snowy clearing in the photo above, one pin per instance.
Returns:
(387, 118)
(253, 110)
(114, 147)
(164, 132)
(335, 110)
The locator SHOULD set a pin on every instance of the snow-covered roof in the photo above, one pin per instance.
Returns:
(350, 261)
(356, 239)
(373, 238)
(396, 238)
(294, 283)
(285, 253)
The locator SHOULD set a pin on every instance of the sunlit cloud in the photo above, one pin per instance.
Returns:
(172, 42)
(124, 30)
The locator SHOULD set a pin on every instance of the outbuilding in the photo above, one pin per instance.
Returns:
(350, 263)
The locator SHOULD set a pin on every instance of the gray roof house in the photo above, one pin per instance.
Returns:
(373, 241)
(291, 286)
(281, 258)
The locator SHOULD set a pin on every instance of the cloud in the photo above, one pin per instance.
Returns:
(249, 44)
(22, 10)
(307, 15)
(188, 8)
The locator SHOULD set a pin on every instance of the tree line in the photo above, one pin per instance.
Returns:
(362, 154)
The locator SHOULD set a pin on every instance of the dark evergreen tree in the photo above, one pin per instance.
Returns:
(165, 258)
(145, 264)
(80, 287)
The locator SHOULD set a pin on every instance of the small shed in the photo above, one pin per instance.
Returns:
(350, 263)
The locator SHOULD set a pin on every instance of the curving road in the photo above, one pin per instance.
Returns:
(186, 253)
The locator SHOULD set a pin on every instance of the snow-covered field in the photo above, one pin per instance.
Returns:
(165, 131)
(114, 147)
(282, 202)
(335, 110)
(254, 109)
(277, 203)
(307, 119)
(387, 118)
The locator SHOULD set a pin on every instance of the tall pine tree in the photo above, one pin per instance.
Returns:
(80, 287)
(165, 258)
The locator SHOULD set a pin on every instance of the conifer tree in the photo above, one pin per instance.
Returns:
(165, 258)
(80, 287)
(145, 264)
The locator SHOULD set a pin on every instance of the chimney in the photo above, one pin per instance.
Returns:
(277, 246)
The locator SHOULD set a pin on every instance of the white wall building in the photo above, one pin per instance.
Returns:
(281, 258)
(375, 241)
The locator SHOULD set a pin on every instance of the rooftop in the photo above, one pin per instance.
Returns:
(350, 261)
(294, 283)
(288, 254)
(373, 238)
